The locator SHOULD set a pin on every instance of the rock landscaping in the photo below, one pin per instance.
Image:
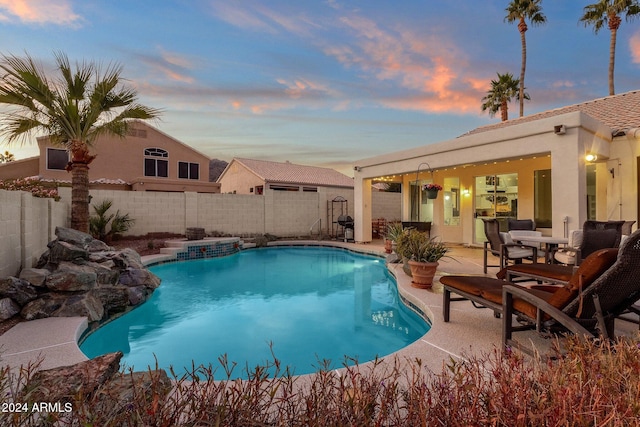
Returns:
(77, 276)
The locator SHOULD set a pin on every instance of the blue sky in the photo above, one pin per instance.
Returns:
(323, 82)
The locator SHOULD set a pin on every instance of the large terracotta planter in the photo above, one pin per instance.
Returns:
(422, 274)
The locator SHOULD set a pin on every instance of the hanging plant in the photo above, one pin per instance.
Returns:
(432, 190)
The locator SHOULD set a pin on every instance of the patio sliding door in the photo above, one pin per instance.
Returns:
(496, 196)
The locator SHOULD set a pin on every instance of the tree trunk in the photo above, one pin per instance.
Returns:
(80, 197)
(504, 112)
(80, 159)
(522, 27)
(612, 59)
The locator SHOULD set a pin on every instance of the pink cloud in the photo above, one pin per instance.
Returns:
(634, 45)
(431, 67)
(57, 12)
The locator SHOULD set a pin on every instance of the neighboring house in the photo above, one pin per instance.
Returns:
(559, 167)
(146, 160)
(247, 176)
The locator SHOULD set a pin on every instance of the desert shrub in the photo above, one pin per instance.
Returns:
(587, 383)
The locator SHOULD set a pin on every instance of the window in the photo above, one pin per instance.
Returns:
(284, 187)
(154, 164)
(188, 170)
(57, 159)
(259, 189)
(542, 198)
(451, 201)
(310, 189)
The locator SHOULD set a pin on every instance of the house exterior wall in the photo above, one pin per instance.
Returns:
(498, 151)
(238, 179)
(123, 159)
(19, 168)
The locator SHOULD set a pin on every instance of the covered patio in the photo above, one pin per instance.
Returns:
(559, 168)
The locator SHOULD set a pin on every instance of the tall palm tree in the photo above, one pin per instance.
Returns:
(608, 12)
(81, 104)
(521, 10)
(500, 94)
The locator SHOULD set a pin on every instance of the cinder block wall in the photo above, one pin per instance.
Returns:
(28, 223)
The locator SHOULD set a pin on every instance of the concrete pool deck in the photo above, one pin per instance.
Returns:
(53, 341)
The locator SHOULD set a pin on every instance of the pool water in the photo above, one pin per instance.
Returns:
(304, 304)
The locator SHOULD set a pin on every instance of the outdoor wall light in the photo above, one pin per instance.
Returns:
(590, 157)
(466, 192)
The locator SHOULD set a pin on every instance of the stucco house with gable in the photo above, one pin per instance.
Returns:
(248, 176)
(145, 160)
(559, 167)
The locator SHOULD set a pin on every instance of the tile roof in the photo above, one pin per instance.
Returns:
(619, 112)
(296, 174)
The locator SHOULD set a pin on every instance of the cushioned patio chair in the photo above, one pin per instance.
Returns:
(592, 311)
(593, 236)
(502, 245)
(487, 291)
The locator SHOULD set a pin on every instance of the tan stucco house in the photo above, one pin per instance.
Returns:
(248, 176)
(146, 160)
(559, 167)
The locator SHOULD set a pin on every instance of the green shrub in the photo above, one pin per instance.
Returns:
(99, 222)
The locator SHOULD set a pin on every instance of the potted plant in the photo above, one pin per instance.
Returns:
(432, 190)
(422, 254)
(391, 236)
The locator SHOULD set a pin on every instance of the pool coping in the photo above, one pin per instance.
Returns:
(55, 340)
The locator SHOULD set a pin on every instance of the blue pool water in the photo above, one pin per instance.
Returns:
(310, 304)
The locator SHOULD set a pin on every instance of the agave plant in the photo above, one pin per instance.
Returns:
(417, 246)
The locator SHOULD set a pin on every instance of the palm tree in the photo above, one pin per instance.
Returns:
(6, 157)
(500, 94)
(521, 10)
(608, 12)
(73, 110)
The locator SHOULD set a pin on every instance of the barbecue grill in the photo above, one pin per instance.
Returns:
(347, 224)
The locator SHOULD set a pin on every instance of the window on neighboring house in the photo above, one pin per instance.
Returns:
(310, 189)
(57, 159)
(155, 163)
(188, 170)
(259, 189)
(284, 187)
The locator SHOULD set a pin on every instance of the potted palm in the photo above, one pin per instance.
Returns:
(422, 254)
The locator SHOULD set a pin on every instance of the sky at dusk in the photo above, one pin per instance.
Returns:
(323, 82)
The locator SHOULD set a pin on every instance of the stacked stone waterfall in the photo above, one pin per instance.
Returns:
(77, 276)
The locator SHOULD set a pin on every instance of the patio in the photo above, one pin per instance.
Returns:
(470, 331)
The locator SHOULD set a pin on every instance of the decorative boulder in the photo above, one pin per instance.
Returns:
(18, 290)
(35, 276)
(8, 308)
(79, 276)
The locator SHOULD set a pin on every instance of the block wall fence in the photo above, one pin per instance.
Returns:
(28, 223)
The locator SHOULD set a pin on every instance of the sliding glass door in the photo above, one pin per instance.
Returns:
(496, 196)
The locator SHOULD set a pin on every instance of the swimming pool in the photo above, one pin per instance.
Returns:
(305, 303)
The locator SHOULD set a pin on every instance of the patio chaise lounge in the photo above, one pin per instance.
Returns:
(593, 311)
(604, 286)
(487, 291)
